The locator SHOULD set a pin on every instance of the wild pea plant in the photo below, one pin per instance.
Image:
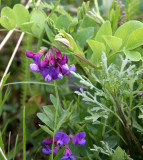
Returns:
(100, 57)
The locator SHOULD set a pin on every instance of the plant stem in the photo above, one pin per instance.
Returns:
(56, 116)
(130, 107)
(128, 128)
(53, 10)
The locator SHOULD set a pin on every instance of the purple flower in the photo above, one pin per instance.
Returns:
(44, 62)
(48, 150)
(31, 54)
(79, 138)
(62, 138)
(58, 53)
(49, 73)
(36, 67)
(48, 141)
(68, 155)
(53, 66)
(64, 60)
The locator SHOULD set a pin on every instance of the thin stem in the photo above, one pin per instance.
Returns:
(125, 125)
(3, 154)
(25, 82)
(11, 32)
(12, 57)
(6, 39)
(40, 40)
(96, 6)
(44, 40)
(53, 10)
(130, 106)
(56, 116)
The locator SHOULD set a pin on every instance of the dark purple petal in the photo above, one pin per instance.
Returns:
(36, 60)
(79, 138)
(58, 53)
(72, 68)
(44, 62)
(62, 138)
(34, 68)
(48, 141)
(47, 150)
(45, 71)
(64, 60)
(52, 60)
(53, 73)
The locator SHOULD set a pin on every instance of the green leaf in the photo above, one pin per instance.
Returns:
(113, 42)
(119, 154)
(133, 55)
(46, 129)
(45, 119)
(21, 14)
(63, 22)
(98, 48)
(49, 33)
(50, 111)
(38, 17)
(126, 30)
(26, 27)
(84, 35)
(105, 29)
(136, 39)
(8, 18)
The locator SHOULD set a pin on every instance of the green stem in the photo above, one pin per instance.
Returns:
(53, 10)
(130, 107)
(40, 40)
(96, 6)
(56, 116)
(44, 40)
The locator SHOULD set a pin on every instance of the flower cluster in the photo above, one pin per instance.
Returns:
(63, 139)
(53, 66)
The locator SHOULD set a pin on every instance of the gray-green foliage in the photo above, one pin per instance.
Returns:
(117, 154)
(116, 84)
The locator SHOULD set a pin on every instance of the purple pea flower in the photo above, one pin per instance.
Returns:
(36, 66)
(53, 66)
(58, 53)
(68, 155)
(62, 138)
(31, 54)
(48, 150)
(48, 141)
(79, 138)
(49, 73)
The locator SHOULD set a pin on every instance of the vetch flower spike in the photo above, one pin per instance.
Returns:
(62, 138)
(79, 138)
(53, 66)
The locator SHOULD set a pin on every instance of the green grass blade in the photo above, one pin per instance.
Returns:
(15, 147)
(9, 138)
